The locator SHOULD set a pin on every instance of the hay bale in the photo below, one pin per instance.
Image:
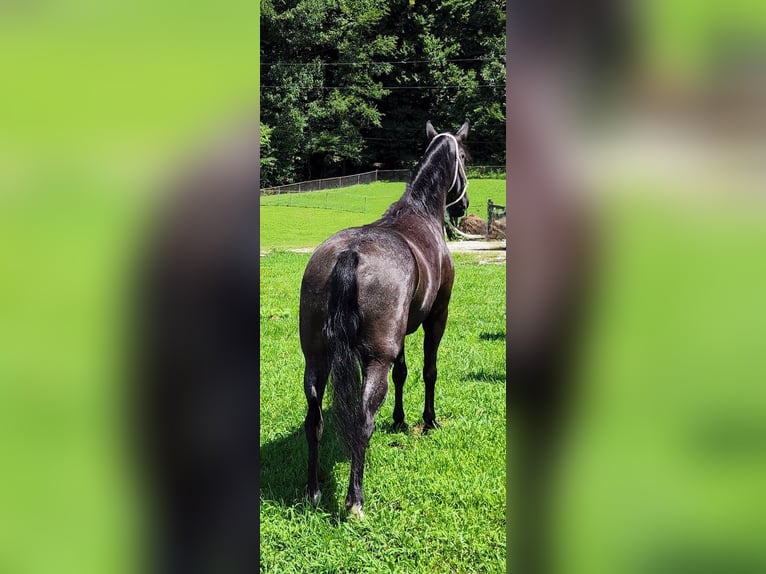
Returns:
(473, 225)
(498, 229)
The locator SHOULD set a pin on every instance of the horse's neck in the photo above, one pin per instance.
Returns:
(427, 196)
(417, 226)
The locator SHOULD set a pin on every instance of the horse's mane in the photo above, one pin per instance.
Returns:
(429, 175)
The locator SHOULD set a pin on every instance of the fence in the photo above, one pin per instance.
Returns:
(334, 199)
(478, 171)
(494, 212)
(338, 182)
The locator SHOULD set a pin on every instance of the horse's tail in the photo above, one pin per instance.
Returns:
(340, 331)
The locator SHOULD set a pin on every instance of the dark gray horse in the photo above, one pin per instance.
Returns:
(363, 290)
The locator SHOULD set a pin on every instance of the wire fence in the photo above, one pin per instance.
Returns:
(481, 171)
(330, 193)
(338, 182)
(335, 199)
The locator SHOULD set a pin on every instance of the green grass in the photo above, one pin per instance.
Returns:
(435, 502)
(291, 227)
(66, 480)
(104, 97)
(666, 461)
(666, 464)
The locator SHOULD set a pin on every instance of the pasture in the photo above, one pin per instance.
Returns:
(435, 501)
(669, 448)
(288, 227)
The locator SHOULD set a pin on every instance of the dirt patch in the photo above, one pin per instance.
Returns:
(491, 251)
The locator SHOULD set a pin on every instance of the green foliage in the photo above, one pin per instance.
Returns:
(266, 158)
(324, 65)
(457, 50)
(318, 111)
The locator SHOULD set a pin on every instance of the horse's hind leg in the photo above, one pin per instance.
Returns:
(399, 375)
(314, 382)
(375, 391)
(433, 329)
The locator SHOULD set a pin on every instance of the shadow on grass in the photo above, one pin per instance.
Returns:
(484, 376)
(284, 464)
(497, 336)
(390, 427)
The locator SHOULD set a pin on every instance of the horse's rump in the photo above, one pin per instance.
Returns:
(386, 278)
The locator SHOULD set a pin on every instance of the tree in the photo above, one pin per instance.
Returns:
(455, 70)
(266, 158)
(319, 87)
(346, 84)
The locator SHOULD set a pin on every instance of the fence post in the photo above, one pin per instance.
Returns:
(490, 212)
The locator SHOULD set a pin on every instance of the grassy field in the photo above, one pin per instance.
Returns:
(434, 503)
(290, 227)
(669, 445)
(666, 460)
(66, 496)
(104, 97)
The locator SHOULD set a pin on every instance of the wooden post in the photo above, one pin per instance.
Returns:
(489, 215)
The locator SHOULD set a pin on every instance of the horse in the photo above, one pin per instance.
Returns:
(364, 289)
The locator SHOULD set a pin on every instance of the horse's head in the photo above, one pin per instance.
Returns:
(456, 202)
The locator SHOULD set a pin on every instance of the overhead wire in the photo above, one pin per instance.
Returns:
(387, 87)
(368, 63)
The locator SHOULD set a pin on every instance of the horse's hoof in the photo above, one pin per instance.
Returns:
(400, 426)
(315, 497)
(356, 512)
(431, 425)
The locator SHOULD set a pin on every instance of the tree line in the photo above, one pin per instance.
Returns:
(347, 85)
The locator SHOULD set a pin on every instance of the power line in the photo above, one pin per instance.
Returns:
(476, 59)
(388, 87)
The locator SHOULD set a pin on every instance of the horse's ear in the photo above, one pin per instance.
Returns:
(462, 133)
(430, 131)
